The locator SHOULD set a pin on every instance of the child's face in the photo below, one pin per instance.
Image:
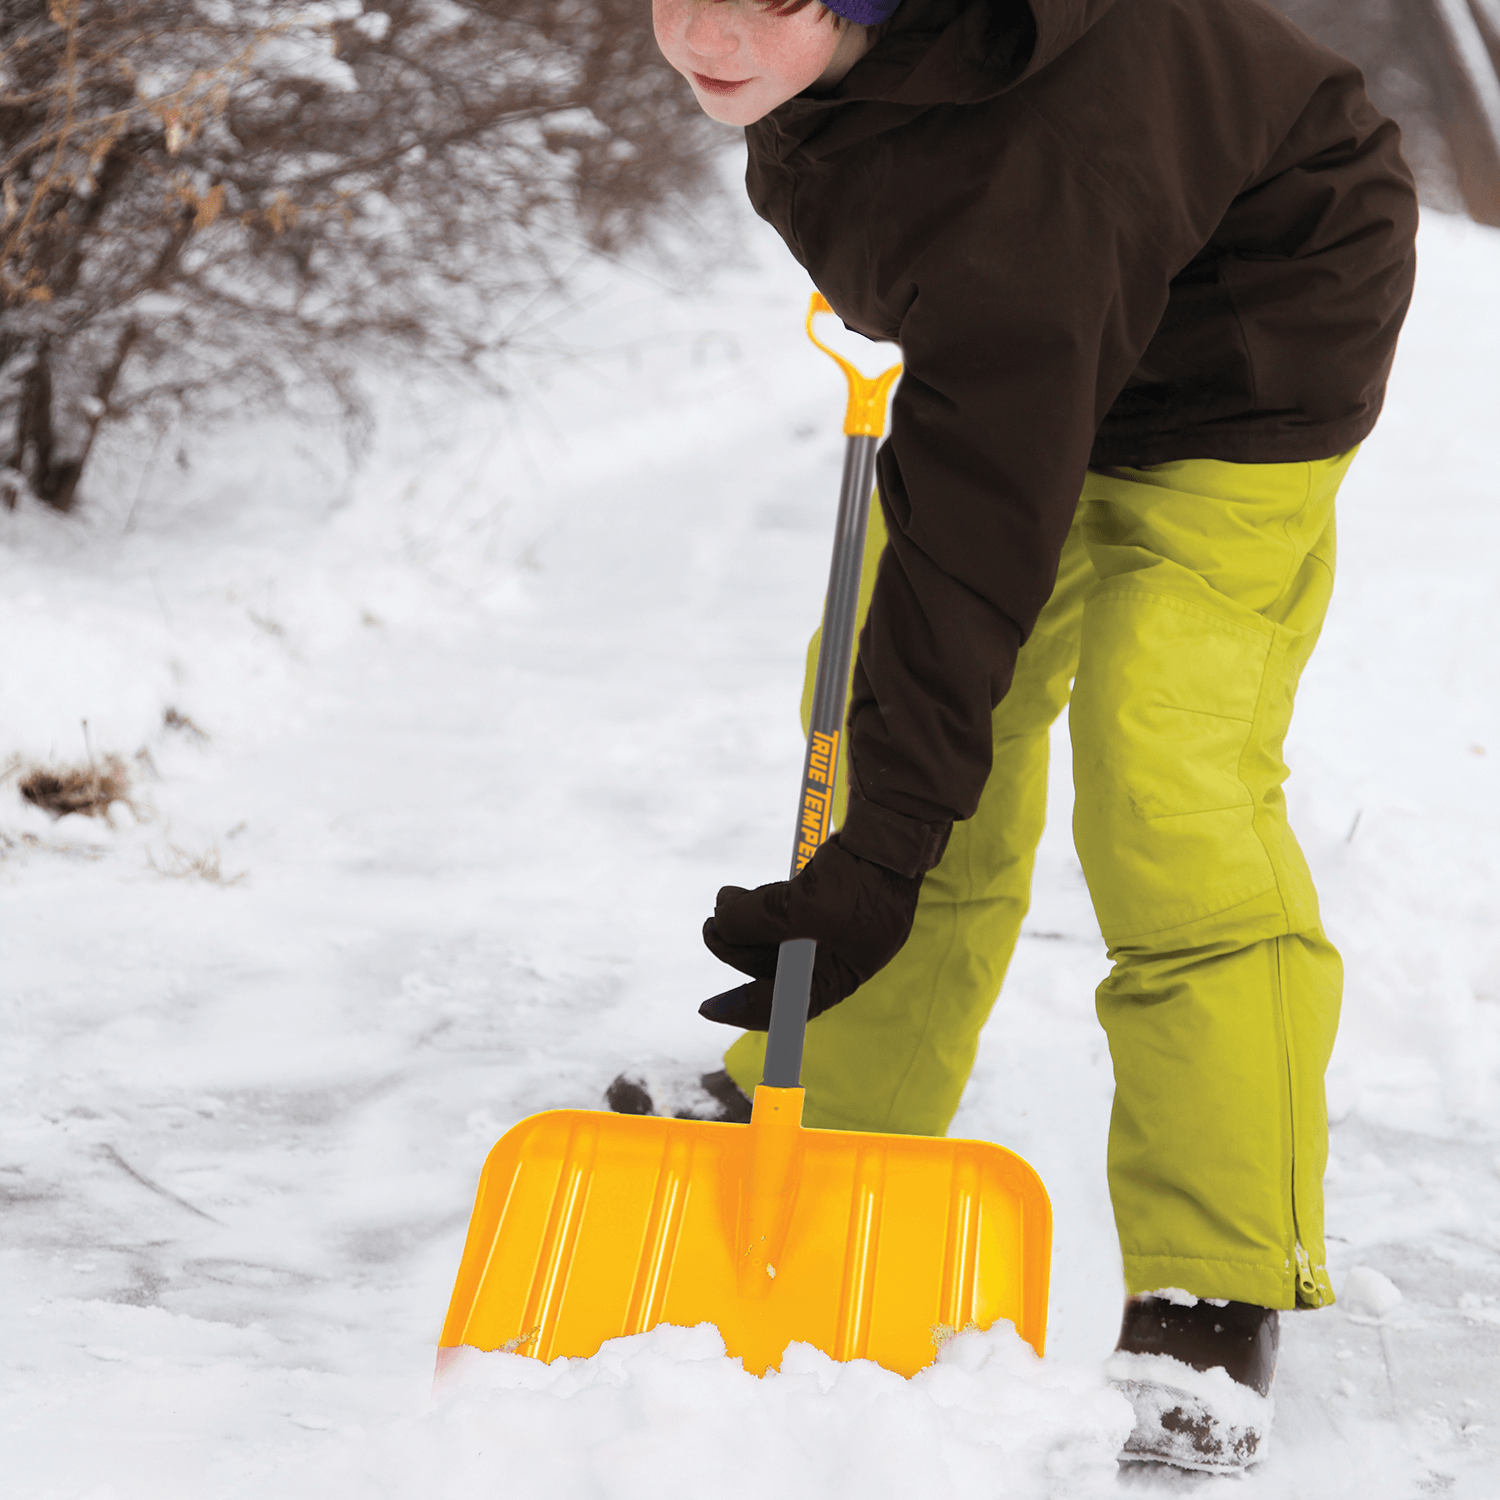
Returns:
(741, 59)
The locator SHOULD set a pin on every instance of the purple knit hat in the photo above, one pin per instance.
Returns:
(863, 12)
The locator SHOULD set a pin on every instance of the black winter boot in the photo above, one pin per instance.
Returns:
(715, 1096)
(1198, 1374)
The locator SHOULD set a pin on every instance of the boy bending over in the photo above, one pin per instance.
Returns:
(1146, 261)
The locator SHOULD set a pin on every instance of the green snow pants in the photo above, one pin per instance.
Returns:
(1188, 601)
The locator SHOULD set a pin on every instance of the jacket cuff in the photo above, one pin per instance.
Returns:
(906, 845)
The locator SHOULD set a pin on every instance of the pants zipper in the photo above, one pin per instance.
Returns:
(1308, 1294)
(1307, 1287)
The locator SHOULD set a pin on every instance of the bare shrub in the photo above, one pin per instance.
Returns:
(210, 207)
(89, 790)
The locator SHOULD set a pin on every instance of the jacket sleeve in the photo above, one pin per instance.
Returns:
(1020, 326)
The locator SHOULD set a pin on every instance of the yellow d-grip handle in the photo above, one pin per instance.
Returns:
(865, 414)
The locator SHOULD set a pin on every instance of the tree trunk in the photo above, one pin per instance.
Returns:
(1454, 39)
(36, 438)
(54, 480)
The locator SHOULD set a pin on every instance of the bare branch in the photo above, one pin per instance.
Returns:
(203, 205)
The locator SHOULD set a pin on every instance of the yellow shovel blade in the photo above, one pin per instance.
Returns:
(588, 1226)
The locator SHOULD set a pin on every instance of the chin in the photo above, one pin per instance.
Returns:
(729, 110)
(735, 117)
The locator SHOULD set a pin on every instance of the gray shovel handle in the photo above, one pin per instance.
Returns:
(794, 967)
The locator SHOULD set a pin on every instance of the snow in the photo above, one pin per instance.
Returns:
(480, 727)
(1238, 1404)
(988, 1417)
(1369, 1293)
(1179, 1298)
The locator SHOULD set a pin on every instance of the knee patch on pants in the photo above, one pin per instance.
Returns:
(1183, 699)
(1179, 817)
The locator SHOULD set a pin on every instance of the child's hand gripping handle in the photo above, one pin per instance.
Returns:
(864, 422)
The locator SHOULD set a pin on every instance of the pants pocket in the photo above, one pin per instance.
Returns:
(1167, 701)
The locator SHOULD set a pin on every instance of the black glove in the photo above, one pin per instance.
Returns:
(860, 914)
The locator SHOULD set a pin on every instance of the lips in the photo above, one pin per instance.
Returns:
(718, 85)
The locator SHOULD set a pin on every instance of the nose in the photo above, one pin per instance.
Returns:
(710, 29)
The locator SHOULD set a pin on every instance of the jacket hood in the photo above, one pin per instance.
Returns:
(932, 52)
(962, 51)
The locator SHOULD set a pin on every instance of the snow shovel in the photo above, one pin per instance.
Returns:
(589, 1226)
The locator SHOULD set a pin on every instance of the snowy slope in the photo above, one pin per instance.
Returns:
(484, 725)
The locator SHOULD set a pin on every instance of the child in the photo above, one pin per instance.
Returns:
(1146, 261)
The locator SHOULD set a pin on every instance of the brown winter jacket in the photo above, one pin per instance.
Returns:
(1104, 232)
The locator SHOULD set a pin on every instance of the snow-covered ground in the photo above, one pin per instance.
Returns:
(474, 735)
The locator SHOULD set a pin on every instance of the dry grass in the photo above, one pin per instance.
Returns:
(171, 719)
(29, 843)
(89, 790)
(182, 864)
